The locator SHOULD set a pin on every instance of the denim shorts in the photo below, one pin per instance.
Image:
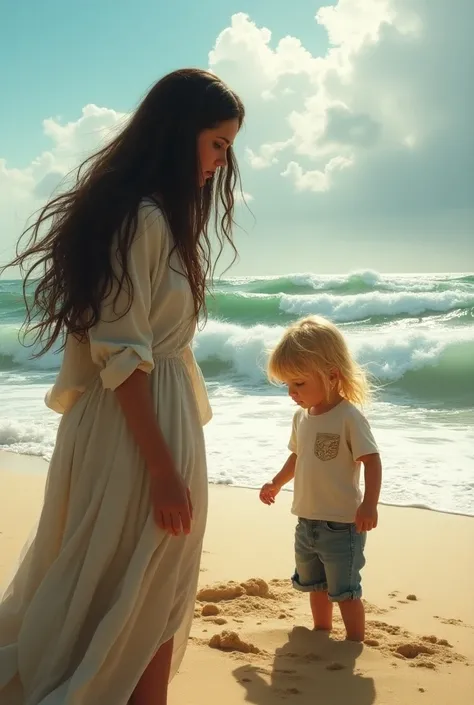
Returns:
(329, 557)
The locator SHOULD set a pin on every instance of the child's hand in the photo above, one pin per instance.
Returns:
(366, 517)
(268, 493)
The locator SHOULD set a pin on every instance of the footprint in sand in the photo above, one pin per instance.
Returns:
(283, 693)
(220, 621)
(413, 650)
(453, 622)
(409, 598)
(335, 666)
(427, 651)
(373, 609)
(384, 627)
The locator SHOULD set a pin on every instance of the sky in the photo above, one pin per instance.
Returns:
(358, 148)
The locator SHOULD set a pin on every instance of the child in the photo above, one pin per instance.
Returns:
(329, 441)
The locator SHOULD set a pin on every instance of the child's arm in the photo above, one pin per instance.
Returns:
(367, 515)
(286, 474)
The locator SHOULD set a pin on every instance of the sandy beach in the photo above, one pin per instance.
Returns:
(251, 641)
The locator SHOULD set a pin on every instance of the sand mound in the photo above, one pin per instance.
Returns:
(253, 597)
(219, 593)
(256, 587)
(255, 601)
(230, 641)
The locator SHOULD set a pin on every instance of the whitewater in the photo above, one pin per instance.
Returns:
(413, 333)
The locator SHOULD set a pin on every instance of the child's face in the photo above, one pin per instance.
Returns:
(307, 391)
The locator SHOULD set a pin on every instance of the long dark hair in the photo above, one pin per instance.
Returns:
(154, 156)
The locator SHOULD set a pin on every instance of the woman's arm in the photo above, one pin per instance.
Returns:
(170, 496)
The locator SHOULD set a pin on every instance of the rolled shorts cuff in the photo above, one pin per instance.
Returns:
(344, 596)
(314, 587)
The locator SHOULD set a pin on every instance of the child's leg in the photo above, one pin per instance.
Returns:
(309, 574)
(353, 616)
(342, 554)
(321, 609)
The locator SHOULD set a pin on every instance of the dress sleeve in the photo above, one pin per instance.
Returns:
(121, 342)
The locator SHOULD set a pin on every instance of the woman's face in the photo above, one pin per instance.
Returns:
(212, 147)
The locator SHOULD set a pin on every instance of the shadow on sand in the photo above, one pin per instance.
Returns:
(317, 669)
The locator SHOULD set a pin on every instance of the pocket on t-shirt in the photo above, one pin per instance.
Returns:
(326, 446)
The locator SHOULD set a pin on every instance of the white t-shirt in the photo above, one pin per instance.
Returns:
(327, 472)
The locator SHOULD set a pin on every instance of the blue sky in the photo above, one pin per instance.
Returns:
(357, 152)
(62, 55)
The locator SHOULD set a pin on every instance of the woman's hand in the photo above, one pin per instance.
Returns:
(171, 501)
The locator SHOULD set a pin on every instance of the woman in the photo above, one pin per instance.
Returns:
(100, 608)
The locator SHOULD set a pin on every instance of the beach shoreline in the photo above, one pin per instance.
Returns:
(415, 583)
(28, 463)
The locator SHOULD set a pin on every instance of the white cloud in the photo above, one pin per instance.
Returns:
(266, 154)
(252, 44)
(352, 23)
(75, 140)
(315, 180)
(311, 96)
(388, 99)
(243, 197)
(379, 127)
(23, 191)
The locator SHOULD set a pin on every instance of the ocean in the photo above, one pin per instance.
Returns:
(415, 334)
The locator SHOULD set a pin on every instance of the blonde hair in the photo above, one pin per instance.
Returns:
(314, 345)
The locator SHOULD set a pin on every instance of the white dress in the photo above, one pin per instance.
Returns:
(101, 588)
